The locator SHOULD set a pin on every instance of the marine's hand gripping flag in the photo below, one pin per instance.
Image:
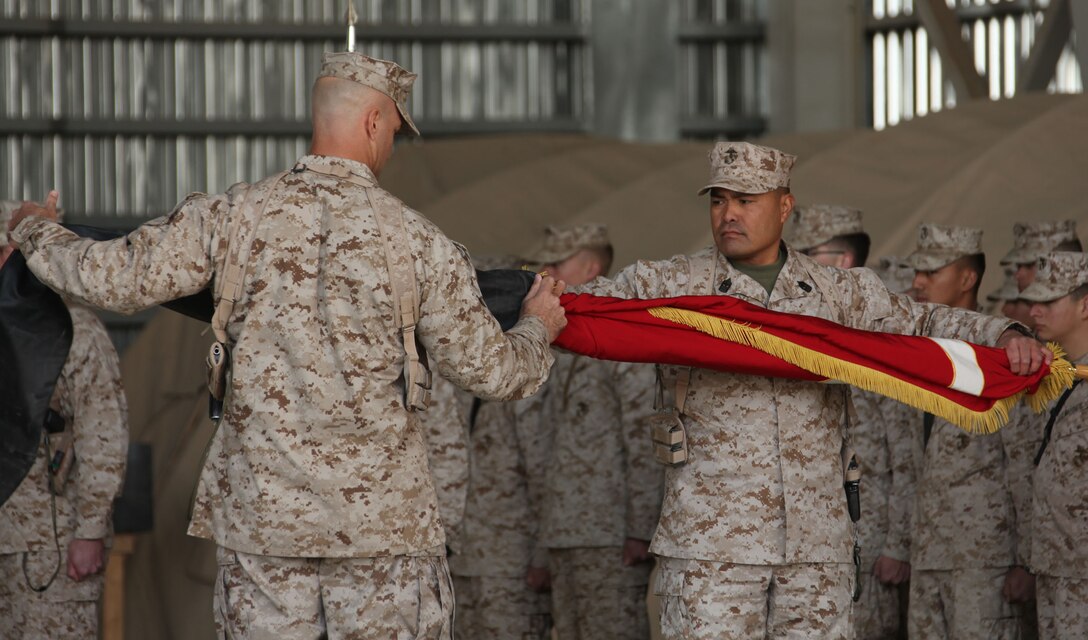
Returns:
(967, 384)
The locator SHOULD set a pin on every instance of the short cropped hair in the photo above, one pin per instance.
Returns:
(976, 263)
(855, 243)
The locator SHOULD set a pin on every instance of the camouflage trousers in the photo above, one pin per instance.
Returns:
(876, 613)
(962, 604)
(67, 609)
(711, 600)
(595, 597)
(1063, 607)
(499, 608)
(398, 597)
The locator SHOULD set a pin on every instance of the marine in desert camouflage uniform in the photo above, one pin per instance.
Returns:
(880, 433)
(89, 397)
(1031, 241)
(445, 431)
(602, 494)
(1005, 300)
(316, 486)
(967, 564)
(508, 452)
(1059, 523)
(754, 538)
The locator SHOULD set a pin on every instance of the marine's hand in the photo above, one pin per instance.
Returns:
(635, 551)
(539, 579)
(891, 571)
(1019, 585)
(47, 211)
(1025, 354)
(542, 301)
(85, 558)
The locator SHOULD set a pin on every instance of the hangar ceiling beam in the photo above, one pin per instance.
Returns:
(946, 34)
(1050, 39)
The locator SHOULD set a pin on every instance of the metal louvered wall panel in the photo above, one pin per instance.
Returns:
(128, 105)
(724, 69)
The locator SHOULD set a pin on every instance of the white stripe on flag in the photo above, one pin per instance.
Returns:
(967, 376)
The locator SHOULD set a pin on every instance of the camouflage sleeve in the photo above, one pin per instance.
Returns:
(445, 430)
(644, 477)
(96, 403)
(643, 279)
(894, 313)
(461, 336)
(164, 259)
(899, 426)
(535, 435)
(1020, 440)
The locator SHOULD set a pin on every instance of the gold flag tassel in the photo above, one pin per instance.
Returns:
(1059, 378)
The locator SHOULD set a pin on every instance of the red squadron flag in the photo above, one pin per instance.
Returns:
(967, 384)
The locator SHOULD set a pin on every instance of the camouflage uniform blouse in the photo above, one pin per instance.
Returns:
(603, 483)
(763, 483)
(1059, 521)
(89, 397)
(315, 455)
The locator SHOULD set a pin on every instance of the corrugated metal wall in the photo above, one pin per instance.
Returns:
(724, 68)
(126, 105)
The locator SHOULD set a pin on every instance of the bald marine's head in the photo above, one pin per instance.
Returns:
(353, 121)
(359, 105)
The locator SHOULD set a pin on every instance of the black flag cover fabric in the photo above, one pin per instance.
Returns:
(35, 335)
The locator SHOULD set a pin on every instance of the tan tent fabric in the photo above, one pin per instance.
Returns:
(983, 163)
(169, 577)
(423, 170)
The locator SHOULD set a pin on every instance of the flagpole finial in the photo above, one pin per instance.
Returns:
(352, 19)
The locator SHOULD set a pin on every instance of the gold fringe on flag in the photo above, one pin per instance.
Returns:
(1059, 378)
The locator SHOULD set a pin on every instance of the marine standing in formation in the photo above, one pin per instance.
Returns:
(879, 433)
(602, 491)
(965, 547)
(316, 487)
(1059, 520)
(55, 529)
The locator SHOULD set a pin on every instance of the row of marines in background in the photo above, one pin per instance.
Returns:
(315, 487)
(557, 493)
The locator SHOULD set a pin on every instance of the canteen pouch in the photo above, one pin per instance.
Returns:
(669, 437)
(417, 386)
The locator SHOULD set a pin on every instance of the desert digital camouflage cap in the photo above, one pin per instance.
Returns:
(816, 224)
(748, 168)
(1008, 291)
(388, 77)
(895, 273)
(1033, 240)
(939, 245)
(563, 241)
(1059, 274)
